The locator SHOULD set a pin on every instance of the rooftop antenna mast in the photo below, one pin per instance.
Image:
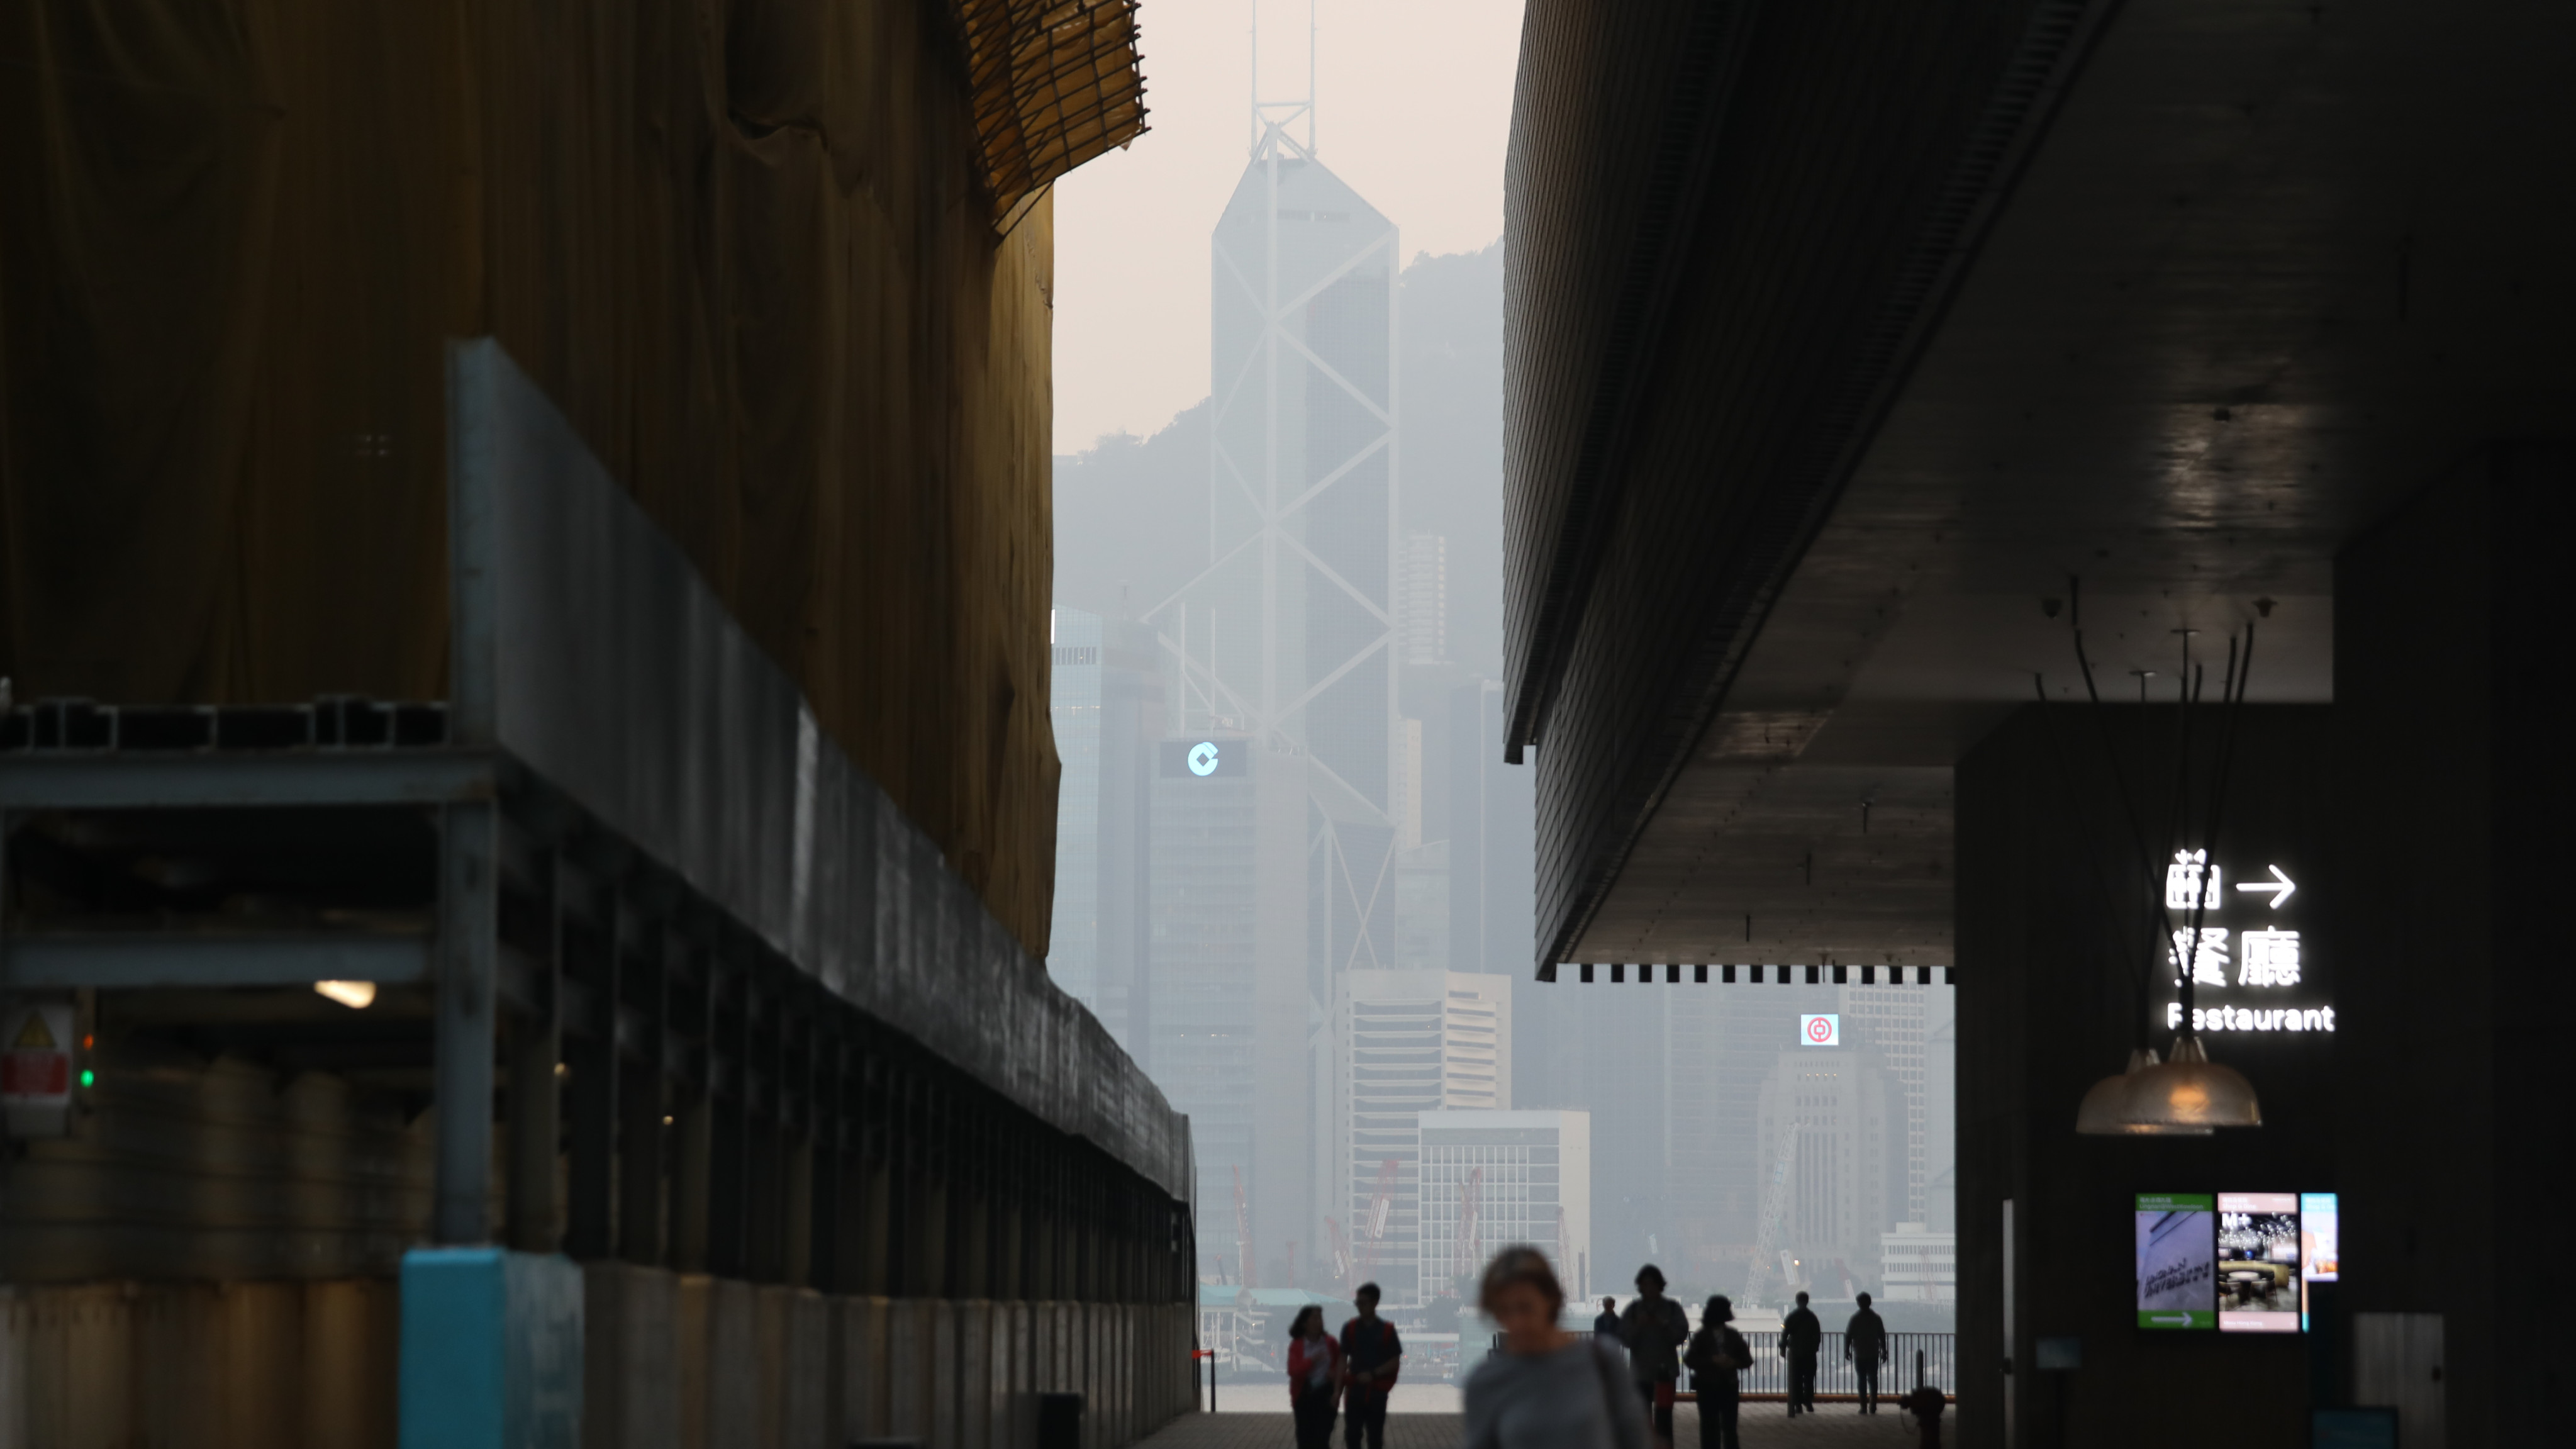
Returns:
(1279, 115)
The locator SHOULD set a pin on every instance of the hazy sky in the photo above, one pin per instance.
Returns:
(1415, 111)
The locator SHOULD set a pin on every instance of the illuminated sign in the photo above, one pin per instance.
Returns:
(2320, 1245)
(2262, 957)
(1821, 1029)
(2177, 1260)
(1200, 759)
(1203, 758)
(2258, 1262)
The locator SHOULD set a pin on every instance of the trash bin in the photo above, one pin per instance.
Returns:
(1059, 1421)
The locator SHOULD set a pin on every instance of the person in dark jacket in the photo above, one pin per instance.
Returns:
(1607, 1325)
(1717, 1353)
(1654, 1328)
(1801, 1338)
(1371, 1353)
(1865, 1344)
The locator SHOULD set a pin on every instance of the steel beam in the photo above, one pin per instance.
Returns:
(136, 780)
(469, 899)
(127, 961)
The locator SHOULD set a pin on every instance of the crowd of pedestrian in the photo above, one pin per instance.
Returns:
(1546, 1388)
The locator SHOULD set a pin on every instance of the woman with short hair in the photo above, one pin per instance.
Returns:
(1314, 1377)
(1546, 1388)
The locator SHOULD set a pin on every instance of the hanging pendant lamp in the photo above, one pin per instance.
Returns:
(2105, 1110)
(2191, 1093)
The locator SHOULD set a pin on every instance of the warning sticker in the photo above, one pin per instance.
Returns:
(36, 1064)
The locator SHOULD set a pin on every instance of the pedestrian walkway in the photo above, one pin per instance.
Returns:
(1766, 1426)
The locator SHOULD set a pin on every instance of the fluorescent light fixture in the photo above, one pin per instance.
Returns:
(356, 995)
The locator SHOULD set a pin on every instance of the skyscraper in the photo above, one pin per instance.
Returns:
(1105, 703)
(1409, 1042)
(1284, 650)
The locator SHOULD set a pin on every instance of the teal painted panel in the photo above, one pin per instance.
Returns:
(491, 1350)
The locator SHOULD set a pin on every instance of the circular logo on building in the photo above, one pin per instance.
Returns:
(1203, 758)
(1823, 1029)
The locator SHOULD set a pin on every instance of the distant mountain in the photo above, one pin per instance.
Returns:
(1131, 514)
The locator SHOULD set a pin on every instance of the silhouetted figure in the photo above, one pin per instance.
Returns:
(1654, 1328)
(1801, 1338)
(1314, 1378)
(1865, 1345)
(1717, 1353)
(1371, 1353)
(1607, 1325)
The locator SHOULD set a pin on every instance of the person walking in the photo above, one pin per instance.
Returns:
(1371, 1354)
(1314, 1377)
(1654, 1328)
(1717, 1353)
(1801, 1336)
(1607, 1325)
(1865, 1345)
(1546, 1388)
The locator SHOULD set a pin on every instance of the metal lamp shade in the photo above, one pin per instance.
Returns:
(2191, 1094)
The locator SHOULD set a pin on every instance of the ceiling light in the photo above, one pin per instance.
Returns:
(2191, 1093)
(356, 995)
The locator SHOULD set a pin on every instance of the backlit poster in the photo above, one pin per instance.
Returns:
(2320, 1245)
(2177, 1260)
(2259, 1286)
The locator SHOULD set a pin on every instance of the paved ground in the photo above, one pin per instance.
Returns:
(1766, 1426)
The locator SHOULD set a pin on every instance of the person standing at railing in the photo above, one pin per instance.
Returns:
(1607, 1325)
(1654, 1328)
(1801, 1337)
(1371, 1354)
(1717, 1353)
(1865, 1345)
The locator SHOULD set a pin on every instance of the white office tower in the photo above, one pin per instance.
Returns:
(1425, 598)
(1409, 1042)
(1892, 1021)
(1919, 1265)
(1493, 1178)
(1285, 643)
(1836, 1118)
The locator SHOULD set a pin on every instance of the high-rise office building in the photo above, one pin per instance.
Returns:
(1286, 643)
(1491, 1178)
(1846, 1111)
(1105, 703)
(1408, 1042)
(1227, 976)
(1891, 1021)
(1423, 601)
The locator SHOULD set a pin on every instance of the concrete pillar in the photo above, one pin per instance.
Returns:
(630, 1379)
(909, 1359)
(692, 1337)
(792, 1369)
(945, 1375)
(974, 1374)
(2452, 790)
(2048, 1003)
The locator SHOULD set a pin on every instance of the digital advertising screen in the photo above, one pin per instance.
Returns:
(2259, 1286)
(2177, 1260)
(2320, 1245)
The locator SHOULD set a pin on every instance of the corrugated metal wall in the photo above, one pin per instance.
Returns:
(742, 248)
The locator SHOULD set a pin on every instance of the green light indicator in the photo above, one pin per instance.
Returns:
(89, 1079)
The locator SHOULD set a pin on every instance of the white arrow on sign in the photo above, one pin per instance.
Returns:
(2281, 886)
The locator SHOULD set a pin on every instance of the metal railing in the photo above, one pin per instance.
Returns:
(1768, 1375)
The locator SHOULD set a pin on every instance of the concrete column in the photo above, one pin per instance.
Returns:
(2452, 791)
(733, 1365)
(910, 1355)
(863, 1367)
(630, 1377)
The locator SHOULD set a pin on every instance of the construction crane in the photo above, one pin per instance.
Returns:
(1242, 1235)
(1774, 1219)
(1469, 1253)
(1341, 1256)
(1381, 1208)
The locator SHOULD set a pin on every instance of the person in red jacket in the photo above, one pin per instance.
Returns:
(1314, 1377)
(1371, 1353)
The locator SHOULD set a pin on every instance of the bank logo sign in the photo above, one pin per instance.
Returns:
(1821, 1029)
(1203, 758)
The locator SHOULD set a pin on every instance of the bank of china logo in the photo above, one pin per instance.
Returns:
(1203, 758)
